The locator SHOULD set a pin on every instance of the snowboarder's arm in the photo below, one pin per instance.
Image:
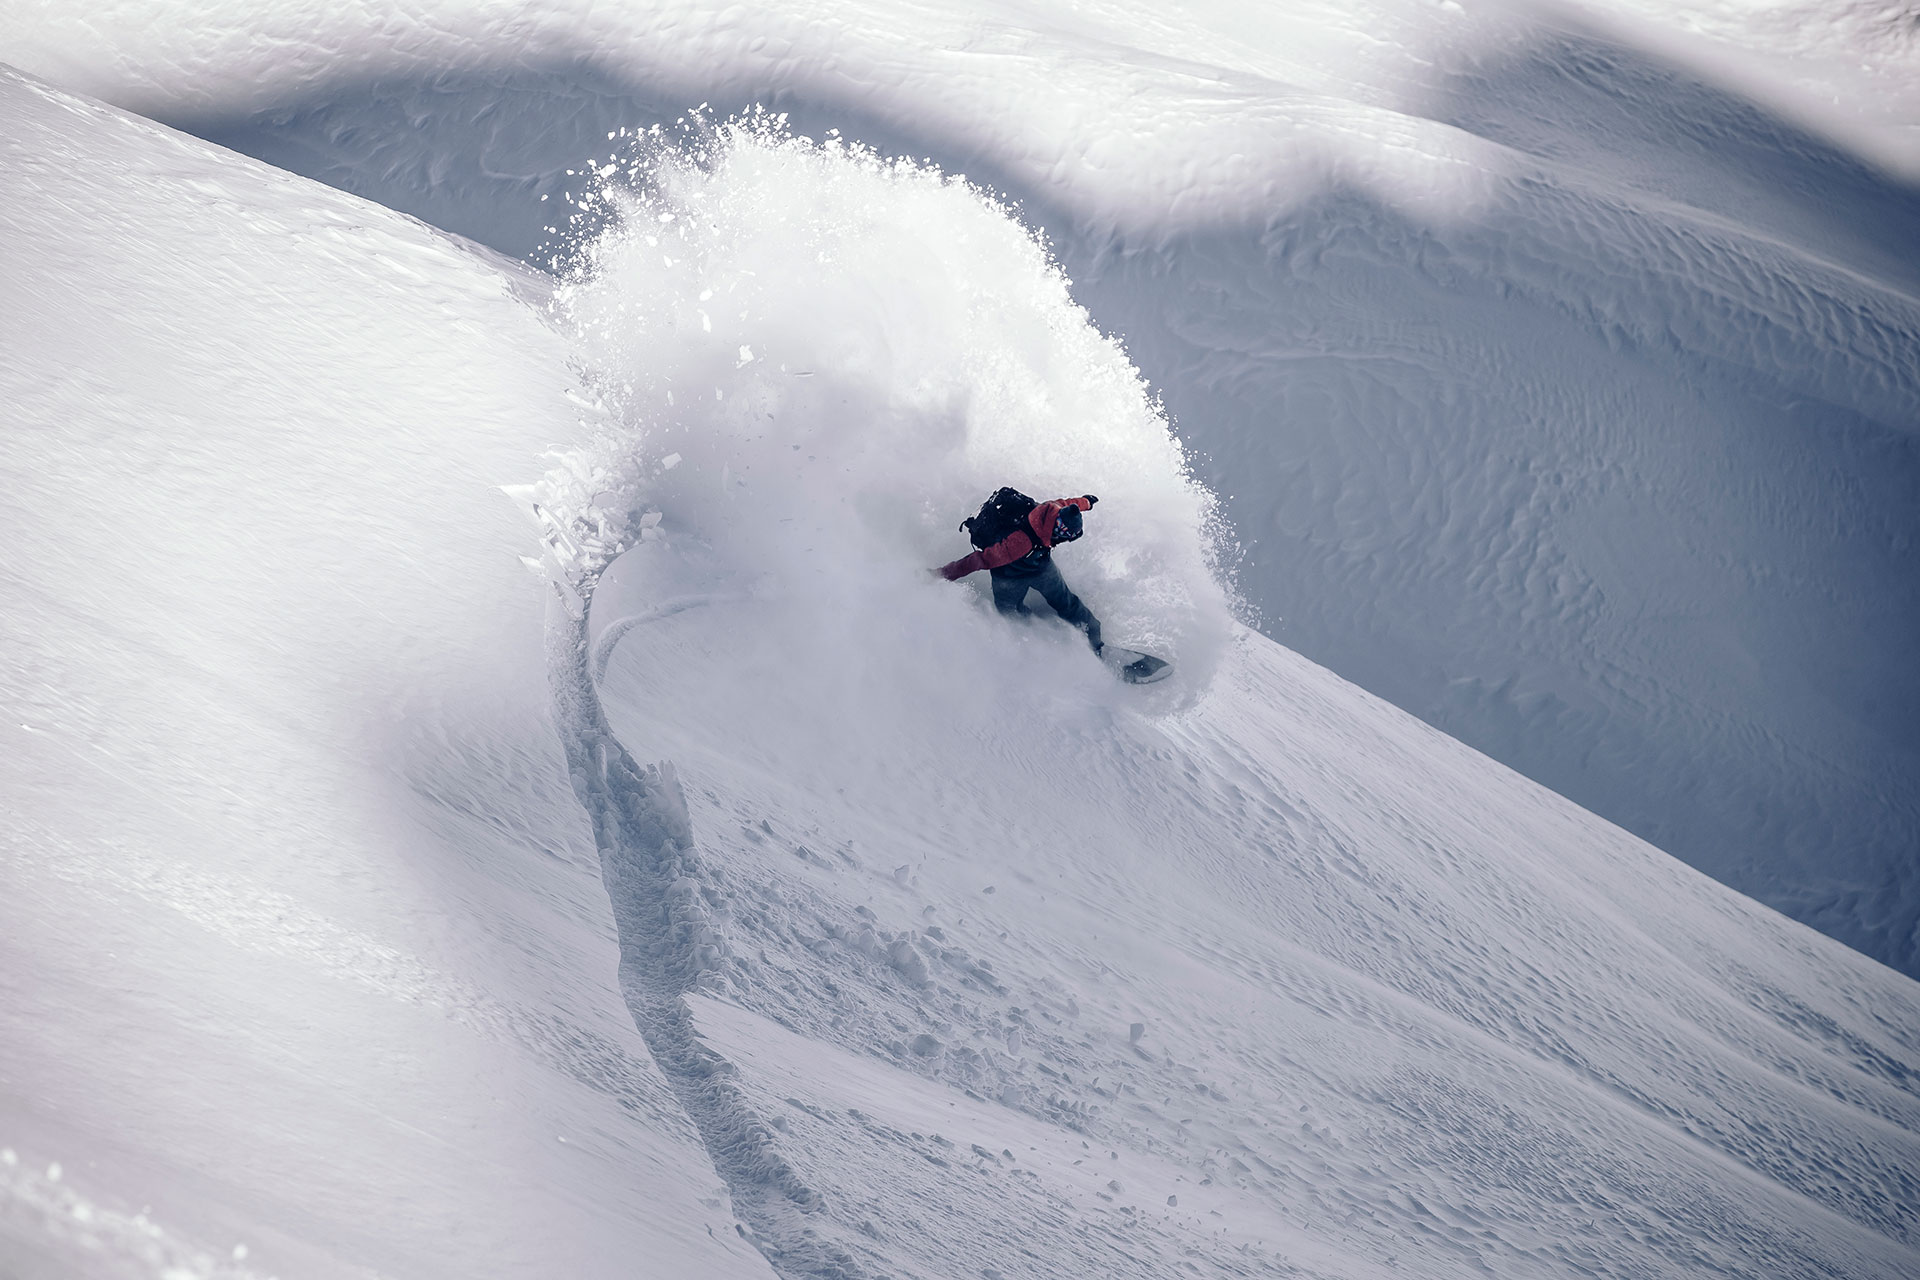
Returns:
(1040, 519)
(1043, 516)
(1006, 551)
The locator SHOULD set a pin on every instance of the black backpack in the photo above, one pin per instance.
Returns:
(1004, 513)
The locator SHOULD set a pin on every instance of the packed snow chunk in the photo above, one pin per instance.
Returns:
(914, 348)
(907, 961)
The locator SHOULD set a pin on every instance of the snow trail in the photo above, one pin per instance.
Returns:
(666, 907)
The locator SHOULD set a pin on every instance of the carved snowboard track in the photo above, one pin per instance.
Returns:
(662, 902)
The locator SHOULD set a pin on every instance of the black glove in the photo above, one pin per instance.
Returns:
(1090, 499)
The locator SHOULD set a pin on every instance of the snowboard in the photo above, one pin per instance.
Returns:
(1135, 667)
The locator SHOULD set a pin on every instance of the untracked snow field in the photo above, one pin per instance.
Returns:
(728, 896)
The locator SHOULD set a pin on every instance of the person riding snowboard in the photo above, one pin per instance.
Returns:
(1016, 537)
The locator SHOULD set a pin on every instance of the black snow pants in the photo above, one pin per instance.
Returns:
(1010, 596)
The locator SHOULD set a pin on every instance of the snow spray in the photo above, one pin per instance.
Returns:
(809, 362)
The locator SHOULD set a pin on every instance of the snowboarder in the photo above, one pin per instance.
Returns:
(1016, 537)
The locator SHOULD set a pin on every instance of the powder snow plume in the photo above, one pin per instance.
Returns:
(811, 362)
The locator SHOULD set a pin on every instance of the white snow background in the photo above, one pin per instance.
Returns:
(352, 929)
(1553, 362)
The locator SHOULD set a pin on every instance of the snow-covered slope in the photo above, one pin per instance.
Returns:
(304, 958)
(784, 897)
(1026, 972)
(1555, 363)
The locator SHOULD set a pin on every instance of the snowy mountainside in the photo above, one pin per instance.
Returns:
(1346, 1064)
(304, 966)
(1553, 362)
(1021, 971)
(355, 924)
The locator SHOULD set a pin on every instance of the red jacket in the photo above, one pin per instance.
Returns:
(1018, 544)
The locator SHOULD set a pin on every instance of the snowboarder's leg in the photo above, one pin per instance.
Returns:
(1053, 587)
(1010, 594)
